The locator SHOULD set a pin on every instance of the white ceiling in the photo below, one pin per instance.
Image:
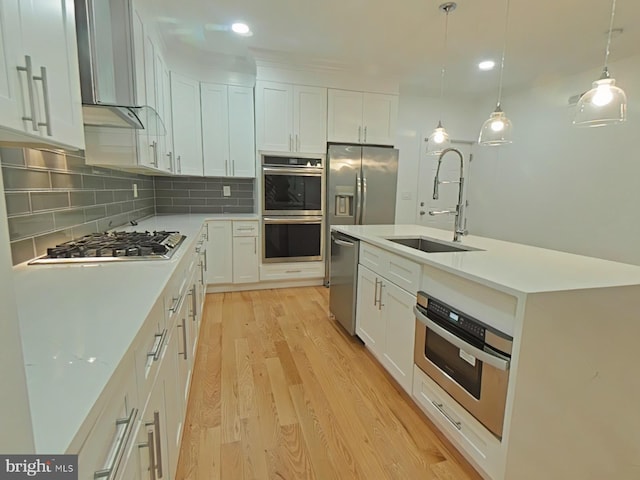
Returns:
(546, 38)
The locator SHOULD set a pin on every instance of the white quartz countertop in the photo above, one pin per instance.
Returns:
(77, 321)
(510, 267)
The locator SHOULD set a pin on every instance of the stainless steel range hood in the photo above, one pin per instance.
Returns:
(106, 41)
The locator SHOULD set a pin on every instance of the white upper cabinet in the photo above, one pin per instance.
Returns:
(291, 118)
(228, 141)
(187, 125)
(39, 80)
(274, 116)
(310, 119)
(357, 117)
(242, 151)
(168, 122)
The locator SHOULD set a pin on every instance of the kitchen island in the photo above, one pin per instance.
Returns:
(573, 395)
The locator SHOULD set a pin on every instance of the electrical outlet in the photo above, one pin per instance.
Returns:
(406, 195)
(226, 191)
(135, 190)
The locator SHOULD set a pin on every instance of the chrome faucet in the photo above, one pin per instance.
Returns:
(458, 212)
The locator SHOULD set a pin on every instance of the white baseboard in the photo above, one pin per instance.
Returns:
(243, 287)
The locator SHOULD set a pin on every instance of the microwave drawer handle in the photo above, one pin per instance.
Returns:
(344, 243)
(497, 362)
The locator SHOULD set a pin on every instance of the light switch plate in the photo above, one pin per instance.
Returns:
(135, 190)
(226, 191)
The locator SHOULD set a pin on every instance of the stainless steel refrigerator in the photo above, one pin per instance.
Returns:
(361, 188)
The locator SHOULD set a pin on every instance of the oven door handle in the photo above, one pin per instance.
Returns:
(299, 171)
(489, 359)
(298, 220)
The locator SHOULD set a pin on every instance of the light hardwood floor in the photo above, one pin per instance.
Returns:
(279, 391)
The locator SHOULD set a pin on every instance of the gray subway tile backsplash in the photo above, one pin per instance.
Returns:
(204, 195)
(52, 197)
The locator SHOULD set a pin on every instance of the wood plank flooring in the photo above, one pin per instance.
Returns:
(280, 392)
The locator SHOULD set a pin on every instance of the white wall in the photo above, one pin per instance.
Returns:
(417, 117)
(559, 186)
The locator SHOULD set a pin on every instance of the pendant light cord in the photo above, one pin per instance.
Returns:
(606, 53)
(504, 50)
(444, 53)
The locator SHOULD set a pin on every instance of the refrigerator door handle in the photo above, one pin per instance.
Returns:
(357, 220)
(364, 200)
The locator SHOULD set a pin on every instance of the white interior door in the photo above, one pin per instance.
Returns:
(448, 193)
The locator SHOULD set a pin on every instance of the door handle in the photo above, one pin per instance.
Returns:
(184, 338)
(364, 199)
(45, 97)
(226, 167)
(156, 426)
(375, 293)
(297, 143)
(154, 146)
(380, 304)
(357, 219)
(179, 163)
(365, 134)
(343, 243)
(28, 68)
(121, 440)
(152, 455)
(170, 155)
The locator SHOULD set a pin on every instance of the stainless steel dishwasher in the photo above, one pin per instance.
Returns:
(343, 283)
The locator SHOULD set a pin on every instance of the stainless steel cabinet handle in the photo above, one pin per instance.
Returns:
(152, 455)
(157, 345)
(174, 304)
(226, 167)
(201, 273)
(359, 134)
(206, 267)
(207, 230)
(365, 134)
(255, 245)
(375, 294)
(179, 163)
(440, 407)
(110, 472)
(297, 143)
(45, 97)
(293, 271)
(184, 338)
(194, 303)
(489, 359)
(154, 146)
(32, 102)
(170, 155)
(156, 426)
(233, 167)
(380, 304)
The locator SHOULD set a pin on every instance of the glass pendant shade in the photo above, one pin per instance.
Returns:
(605, 104)
(496, 130)
(438, 140)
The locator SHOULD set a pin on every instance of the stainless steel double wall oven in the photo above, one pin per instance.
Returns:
(292, 208)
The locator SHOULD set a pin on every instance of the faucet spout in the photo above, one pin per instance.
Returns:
(458, 227)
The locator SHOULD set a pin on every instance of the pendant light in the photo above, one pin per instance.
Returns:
(439, 138)
(605, 104)
(496, 130)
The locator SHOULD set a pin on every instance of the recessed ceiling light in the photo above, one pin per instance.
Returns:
(241, 28)
(486, 65)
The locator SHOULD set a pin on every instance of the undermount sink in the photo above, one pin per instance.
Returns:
(429, 245)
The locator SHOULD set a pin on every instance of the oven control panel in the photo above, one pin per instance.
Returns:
(461, 320)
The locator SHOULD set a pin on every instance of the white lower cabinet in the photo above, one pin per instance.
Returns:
(232, 252)
(113, 430)
(219, 253)
(291, 271)
(386, 324)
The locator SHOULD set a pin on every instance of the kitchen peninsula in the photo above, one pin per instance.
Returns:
(571, 406)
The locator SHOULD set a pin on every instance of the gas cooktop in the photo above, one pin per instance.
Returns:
(114, 246)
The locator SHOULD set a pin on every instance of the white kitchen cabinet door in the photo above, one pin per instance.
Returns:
(215, 129)
(187, 125)
(49, 39)
(379, 116)
(397, 312)
(344, 123)
(219, 253)
(168, 123)
(369, 324)
(242, 153)
(310, 119)
(144, 152)
(164, 163)
(245, 260)
(11, 105)
(173, 403)
(152, 436)
(274, 108)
